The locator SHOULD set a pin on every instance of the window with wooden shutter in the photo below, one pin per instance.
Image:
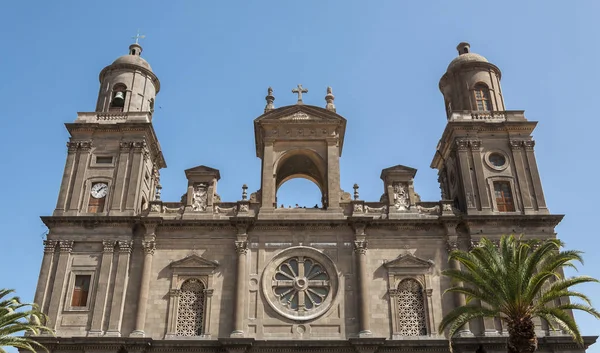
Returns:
(96, 205)
(504, 197)
(81, 290)
(482, 98)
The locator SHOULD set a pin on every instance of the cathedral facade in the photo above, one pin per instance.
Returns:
(124, 270)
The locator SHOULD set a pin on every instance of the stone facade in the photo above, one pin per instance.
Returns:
(124, 270)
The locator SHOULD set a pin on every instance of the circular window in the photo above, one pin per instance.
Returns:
(300, 283)
(496, 160)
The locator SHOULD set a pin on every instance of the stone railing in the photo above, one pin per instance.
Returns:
(113, 117)
(491, 116)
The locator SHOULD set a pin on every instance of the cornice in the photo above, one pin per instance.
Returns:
(378, 345)
(516, 220)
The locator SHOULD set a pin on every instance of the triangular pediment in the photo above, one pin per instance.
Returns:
(399, 170)
(194, 261)
(409, 261)
(202, 170)
(300, 113)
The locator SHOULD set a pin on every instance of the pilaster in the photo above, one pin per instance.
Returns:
(68, 173)
(482, 194)
(99, 310)
(58, 289)
(522, 182)
(41, 292)
(540, 201)
(459, 298)
(268, 181)
(149, 247)
(333, 174)
(119, 289)
(75, 193)
(462, 147)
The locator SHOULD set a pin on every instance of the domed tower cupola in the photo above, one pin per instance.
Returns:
(128, 84)
(471, 83)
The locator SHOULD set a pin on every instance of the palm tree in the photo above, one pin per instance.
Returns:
(518, 280)
(16, 317)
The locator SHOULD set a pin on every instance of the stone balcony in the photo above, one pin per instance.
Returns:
(113, 117)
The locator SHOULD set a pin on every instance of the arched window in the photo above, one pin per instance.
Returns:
(190, 314)
(411, 308)
(117, 101)
(482, 97)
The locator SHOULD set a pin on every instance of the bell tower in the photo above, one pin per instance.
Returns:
(485, 158)
(113, 157)
(300, 141)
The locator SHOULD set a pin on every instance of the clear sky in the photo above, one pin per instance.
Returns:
(215, 60)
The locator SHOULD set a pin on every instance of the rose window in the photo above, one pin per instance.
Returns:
(300, 283)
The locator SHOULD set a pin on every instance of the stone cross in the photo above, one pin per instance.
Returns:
(299, 91)
(138, 37)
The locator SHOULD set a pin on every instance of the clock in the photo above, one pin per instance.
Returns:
(99, 190)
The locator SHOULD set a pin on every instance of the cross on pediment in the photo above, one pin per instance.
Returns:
(299, 91)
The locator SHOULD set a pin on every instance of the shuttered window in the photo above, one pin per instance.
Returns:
(81, 290)
(504, 197)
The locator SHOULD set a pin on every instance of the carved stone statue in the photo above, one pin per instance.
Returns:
(401, 200)
(200, 198)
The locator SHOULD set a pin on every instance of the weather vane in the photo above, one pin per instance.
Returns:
(138, 37)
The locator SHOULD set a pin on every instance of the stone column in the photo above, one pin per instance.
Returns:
(459, 298)
(62, 269)
(142, 305)
(41, 290)
(360, 248)
(102, 289)
(241, 247)
(119, 289)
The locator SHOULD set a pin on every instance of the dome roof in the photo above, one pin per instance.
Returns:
(132, 60)
(465, 56)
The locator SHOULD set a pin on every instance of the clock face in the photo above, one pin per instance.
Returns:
(99, 190)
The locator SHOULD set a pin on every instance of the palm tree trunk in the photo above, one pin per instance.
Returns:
(521, 336)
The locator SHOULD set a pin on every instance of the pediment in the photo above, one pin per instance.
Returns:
(300, 113)
(202, 170)
(409, 261)
(194, 262)
(398, 170)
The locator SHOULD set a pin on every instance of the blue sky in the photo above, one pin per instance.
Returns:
(215, 60)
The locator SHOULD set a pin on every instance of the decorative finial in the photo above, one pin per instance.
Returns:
(299, 91)
(270, 99)
(355, 187)
(329, 99)
(244, 193)
(138, 37)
